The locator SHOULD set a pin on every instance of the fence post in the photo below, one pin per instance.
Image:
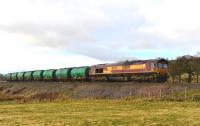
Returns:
(53, 95)
(172, 94)
(160, 94)
(75, 94)
(130, 93)
(149, 95)
(185, 94)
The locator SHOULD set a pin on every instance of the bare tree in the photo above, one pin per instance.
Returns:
(173, 70)
(196, 66)
(186, 65)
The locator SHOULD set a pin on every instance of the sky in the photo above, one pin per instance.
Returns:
(50, 34)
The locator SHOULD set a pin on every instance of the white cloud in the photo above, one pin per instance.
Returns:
(107, 30)
(16, 55)
(176, 20)
(35, 34)
(44, 19)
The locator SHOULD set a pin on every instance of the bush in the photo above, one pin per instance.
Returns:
(196, 97)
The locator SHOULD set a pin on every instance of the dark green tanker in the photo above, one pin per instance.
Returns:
(63, 74)
(49, 75)
(80, 73)
(38, 75)
(14, 77)
(8, 77)
(28, 76)
(20, 76)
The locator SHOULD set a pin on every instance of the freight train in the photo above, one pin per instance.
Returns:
(138, 70)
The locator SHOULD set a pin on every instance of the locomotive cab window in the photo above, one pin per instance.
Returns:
(99, 70)
(162, 65)
(153, 65)
(165, 66)
(159, 65)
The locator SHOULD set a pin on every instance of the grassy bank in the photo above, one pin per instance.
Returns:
(100, 112)
(39, 91)
(89, 104)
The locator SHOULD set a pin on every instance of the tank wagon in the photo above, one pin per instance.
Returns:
(138, 70)
(20, 76)
(80, 73)
(63, 74)
(28, 76)
(14, 77)
(8, 77)
(49, 75)
(38, 75)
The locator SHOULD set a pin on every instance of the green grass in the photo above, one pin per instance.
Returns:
(100, 112)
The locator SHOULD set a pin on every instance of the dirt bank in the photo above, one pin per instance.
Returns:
(76, 90)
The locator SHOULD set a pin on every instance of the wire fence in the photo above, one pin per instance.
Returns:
(172, 94)
(162, 93)
(54, 91)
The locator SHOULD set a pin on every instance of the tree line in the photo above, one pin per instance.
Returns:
(186, 65)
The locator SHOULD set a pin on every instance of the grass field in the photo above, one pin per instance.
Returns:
(100, 112)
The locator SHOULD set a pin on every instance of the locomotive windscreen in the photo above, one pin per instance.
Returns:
(162, 63)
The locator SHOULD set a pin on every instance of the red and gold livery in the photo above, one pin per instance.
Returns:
(153, 69)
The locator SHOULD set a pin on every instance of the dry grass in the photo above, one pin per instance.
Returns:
(100, 112)
(62, 91)
(135, 106)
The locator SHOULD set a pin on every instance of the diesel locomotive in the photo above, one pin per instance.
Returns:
(138, 70)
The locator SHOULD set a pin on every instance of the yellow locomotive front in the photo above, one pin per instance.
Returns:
(162, 67)
(159, 69)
